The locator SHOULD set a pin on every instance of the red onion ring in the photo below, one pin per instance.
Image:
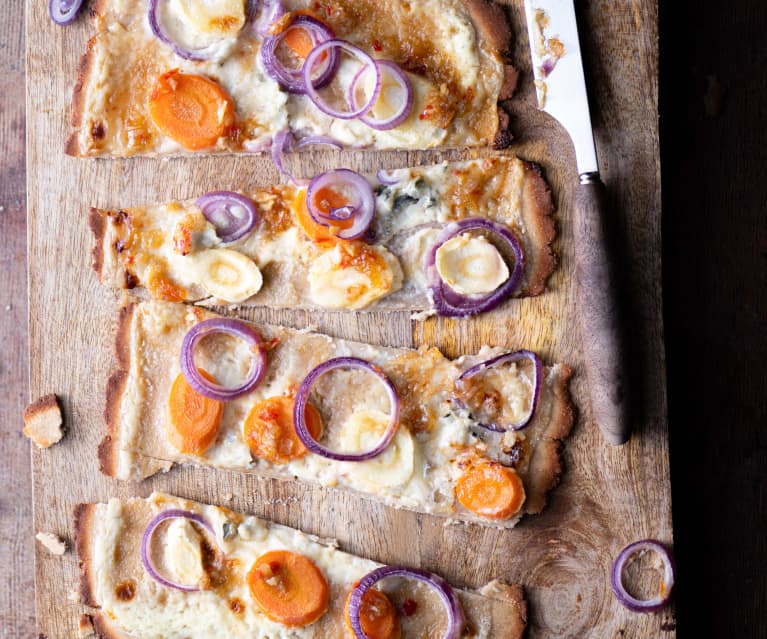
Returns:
(233, 215)
(292, 80)
(231, 327)
(456, 620)
(385, 67)
(504, 359)
(448, 302)
(147, 539)
(283, 142)
(312, 85)
(302, 398)
(271, 11)
(667, 583)
(361, 209)
(159, 31)
(64, 12)
(387, 178)
(318, 140)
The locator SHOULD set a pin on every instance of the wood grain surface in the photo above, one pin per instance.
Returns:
(609, 496)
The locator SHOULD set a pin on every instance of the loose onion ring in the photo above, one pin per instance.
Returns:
(448, 302)
(302, 398)
(311, 85)
(360, 211)
(64, 12)
(511, 358)
(146, 540)
(230, 327)
(233, 215)
(456, 620)
(667, 582)
(385, 68)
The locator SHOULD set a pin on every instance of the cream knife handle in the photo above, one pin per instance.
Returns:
(599, 313)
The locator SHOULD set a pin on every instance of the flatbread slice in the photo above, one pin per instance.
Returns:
(437, 444)
(128, 603)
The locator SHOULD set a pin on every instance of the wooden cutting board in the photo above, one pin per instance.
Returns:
(608, 496)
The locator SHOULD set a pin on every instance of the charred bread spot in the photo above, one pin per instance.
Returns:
(131, 281)
(97, 224)
(97, 131)
(83, 521)
(537, 210)
(503, 136)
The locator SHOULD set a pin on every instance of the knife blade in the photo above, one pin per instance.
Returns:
(561, 92)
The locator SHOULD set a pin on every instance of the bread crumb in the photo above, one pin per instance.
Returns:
(42, 421)
(85, 626)
(227, 496)
(53, 544)
(73, 595)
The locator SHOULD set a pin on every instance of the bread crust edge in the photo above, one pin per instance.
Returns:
(538, 209)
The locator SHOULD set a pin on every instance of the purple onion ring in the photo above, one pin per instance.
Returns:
(302, 398)
(231, 327)
(667, 582)
(448, 302)
(387, 178)
(385, 67)
(311, 85)
(292, 80)
(361, 209)
(146, 540)
(64, 12)
(319, 140)
(508, 358)
(456, 620)
(233, 214)
(271, 11)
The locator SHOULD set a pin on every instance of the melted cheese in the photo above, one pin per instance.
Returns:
(471, 265)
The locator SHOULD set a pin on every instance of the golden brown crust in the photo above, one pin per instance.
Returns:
(492, 22)
(84, 70)
(40, 406)
(98, 225)
(546, 465)
(108, 449)
(83, 521)
(510, 616)
(104, 630)
(537, 209)
(510, 81)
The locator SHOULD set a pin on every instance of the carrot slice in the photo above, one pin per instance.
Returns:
(325, 199)
(378, 616)
(194, 418)
(191, 109)
(289, 588)
(490, 490)
(271, 433)
(299, 41)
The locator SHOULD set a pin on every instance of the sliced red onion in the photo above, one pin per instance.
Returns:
(271, 11)
(448, 302)
(161, 33)
(64, 12)
(233, 215)
(311, 84)
(387, 178)
(283, 143)
(386, 68)
(667, 582)
(318, 140)
(146, 541)
(361, 207)
(292, 80)
(302, 398)
(456, 621)
(509, 358)
(230, 327)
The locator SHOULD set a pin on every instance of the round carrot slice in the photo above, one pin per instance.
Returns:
(325, 199)
(289, 588)
(378, 617)
(194, 418)
(271, 433)
(191, 109)
(490, 490)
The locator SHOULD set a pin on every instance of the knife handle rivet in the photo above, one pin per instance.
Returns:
(592, 177)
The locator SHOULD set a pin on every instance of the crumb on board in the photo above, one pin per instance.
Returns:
(73, 595)
(227, 496)
(53, 543)
(42, 421)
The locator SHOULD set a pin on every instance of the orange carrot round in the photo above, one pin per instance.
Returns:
(271, 433)
(191, 109)
(490, 490)
(194, 418)
(378, 616)
(325, 199)
(289, 588)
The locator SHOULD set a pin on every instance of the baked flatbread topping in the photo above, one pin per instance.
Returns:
(137, 95)
(432, 464)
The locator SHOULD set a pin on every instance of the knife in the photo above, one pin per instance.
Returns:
(561, 92)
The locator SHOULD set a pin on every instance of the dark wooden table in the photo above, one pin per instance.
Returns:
(713, 129)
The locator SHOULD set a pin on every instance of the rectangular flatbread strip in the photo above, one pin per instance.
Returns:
(172, 251)
(455, 54)
(129, 604)
(437, 441)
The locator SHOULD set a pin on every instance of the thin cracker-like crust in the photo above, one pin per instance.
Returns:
(492, 22)
(77, 117)
(98, 226)
(511, 613)
(84, 517)
(109, 448)
(537, 209)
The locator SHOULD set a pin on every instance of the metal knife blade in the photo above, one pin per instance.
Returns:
(561, 92)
